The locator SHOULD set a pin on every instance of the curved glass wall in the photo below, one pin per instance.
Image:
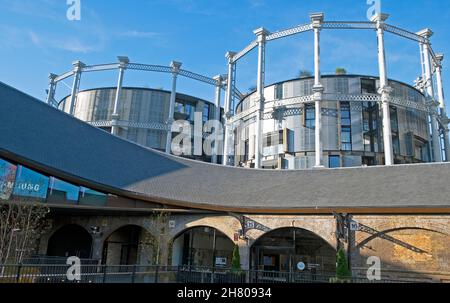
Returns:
(143, 113)
(351, 130)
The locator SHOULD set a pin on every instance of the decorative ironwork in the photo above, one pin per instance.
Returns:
(101, 67)
(151, 68)
(352, 98)
(348, 25)
(101, 123)
(245, 51)
(293, 101)
(64, 76)
(404, 33)
(289, 32)
(198, 77)
(409, 104)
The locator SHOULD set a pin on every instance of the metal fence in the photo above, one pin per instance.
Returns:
(57, 273)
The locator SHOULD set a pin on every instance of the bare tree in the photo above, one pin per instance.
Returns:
(156, 247)
(22, 223)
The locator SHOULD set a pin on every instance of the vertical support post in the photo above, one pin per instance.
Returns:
(228, 103)
(261, 34)
(77, 70)
(429, 88)
(51, 89)
(444, 118)
(384, 90)
(173, 95)
(217, 101)
(317, 20)
(123, 62)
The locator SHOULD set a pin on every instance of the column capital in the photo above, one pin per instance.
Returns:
(379, 18)
(439, 58)
(230, 55)
(52, 77)
(176, 66)
(425, 33)
(318, 88)
(78, 66)
(219, 80)
(123, 61)
(261, 33)
(317, 19)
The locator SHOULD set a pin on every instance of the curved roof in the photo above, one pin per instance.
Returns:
(52, 142)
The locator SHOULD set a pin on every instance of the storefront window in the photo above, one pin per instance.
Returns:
(7, 177)
(62, 192)
(92, 197)
(30, 184)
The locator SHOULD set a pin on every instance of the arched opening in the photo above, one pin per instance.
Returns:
(293, 250)
(70, 240)
(130, 245)
(202, 247)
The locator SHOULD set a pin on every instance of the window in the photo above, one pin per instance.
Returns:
(92, 197)
(310, 116)
(394, 128)
(368, 86)
(346, 127)
(205, 115)
(101, 107)
(334, 161)
(62, 192)
(370, 126)
(394, 119)
(30, 184)
(273, 138)
(396, 145)
(279, 92)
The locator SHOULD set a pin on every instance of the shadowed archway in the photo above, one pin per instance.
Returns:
(70, 240)
(202, 247)
(285, 249)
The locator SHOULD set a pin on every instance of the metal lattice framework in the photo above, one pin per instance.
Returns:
(431, 65)
(136, 67)
(286, 103)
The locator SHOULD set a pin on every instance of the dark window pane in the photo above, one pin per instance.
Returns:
(62, 192)
(92, 197)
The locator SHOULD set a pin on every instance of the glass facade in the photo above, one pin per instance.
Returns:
(346, 127)
(351, 124)
(20, 182)
(143, 113)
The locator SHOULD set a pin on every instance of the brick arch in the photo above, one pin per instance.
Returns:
(45, 238)
(116, 226)
(226, 225)
(325, 231)
(262, 234)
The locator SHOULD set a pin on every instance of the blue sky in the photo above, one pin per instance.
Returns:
(36, 38)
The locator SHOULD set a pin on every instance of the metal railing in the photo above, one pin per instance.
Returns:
(100, 274)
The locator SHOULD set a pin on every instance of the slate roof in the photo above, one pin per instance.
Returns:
(56, 143)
